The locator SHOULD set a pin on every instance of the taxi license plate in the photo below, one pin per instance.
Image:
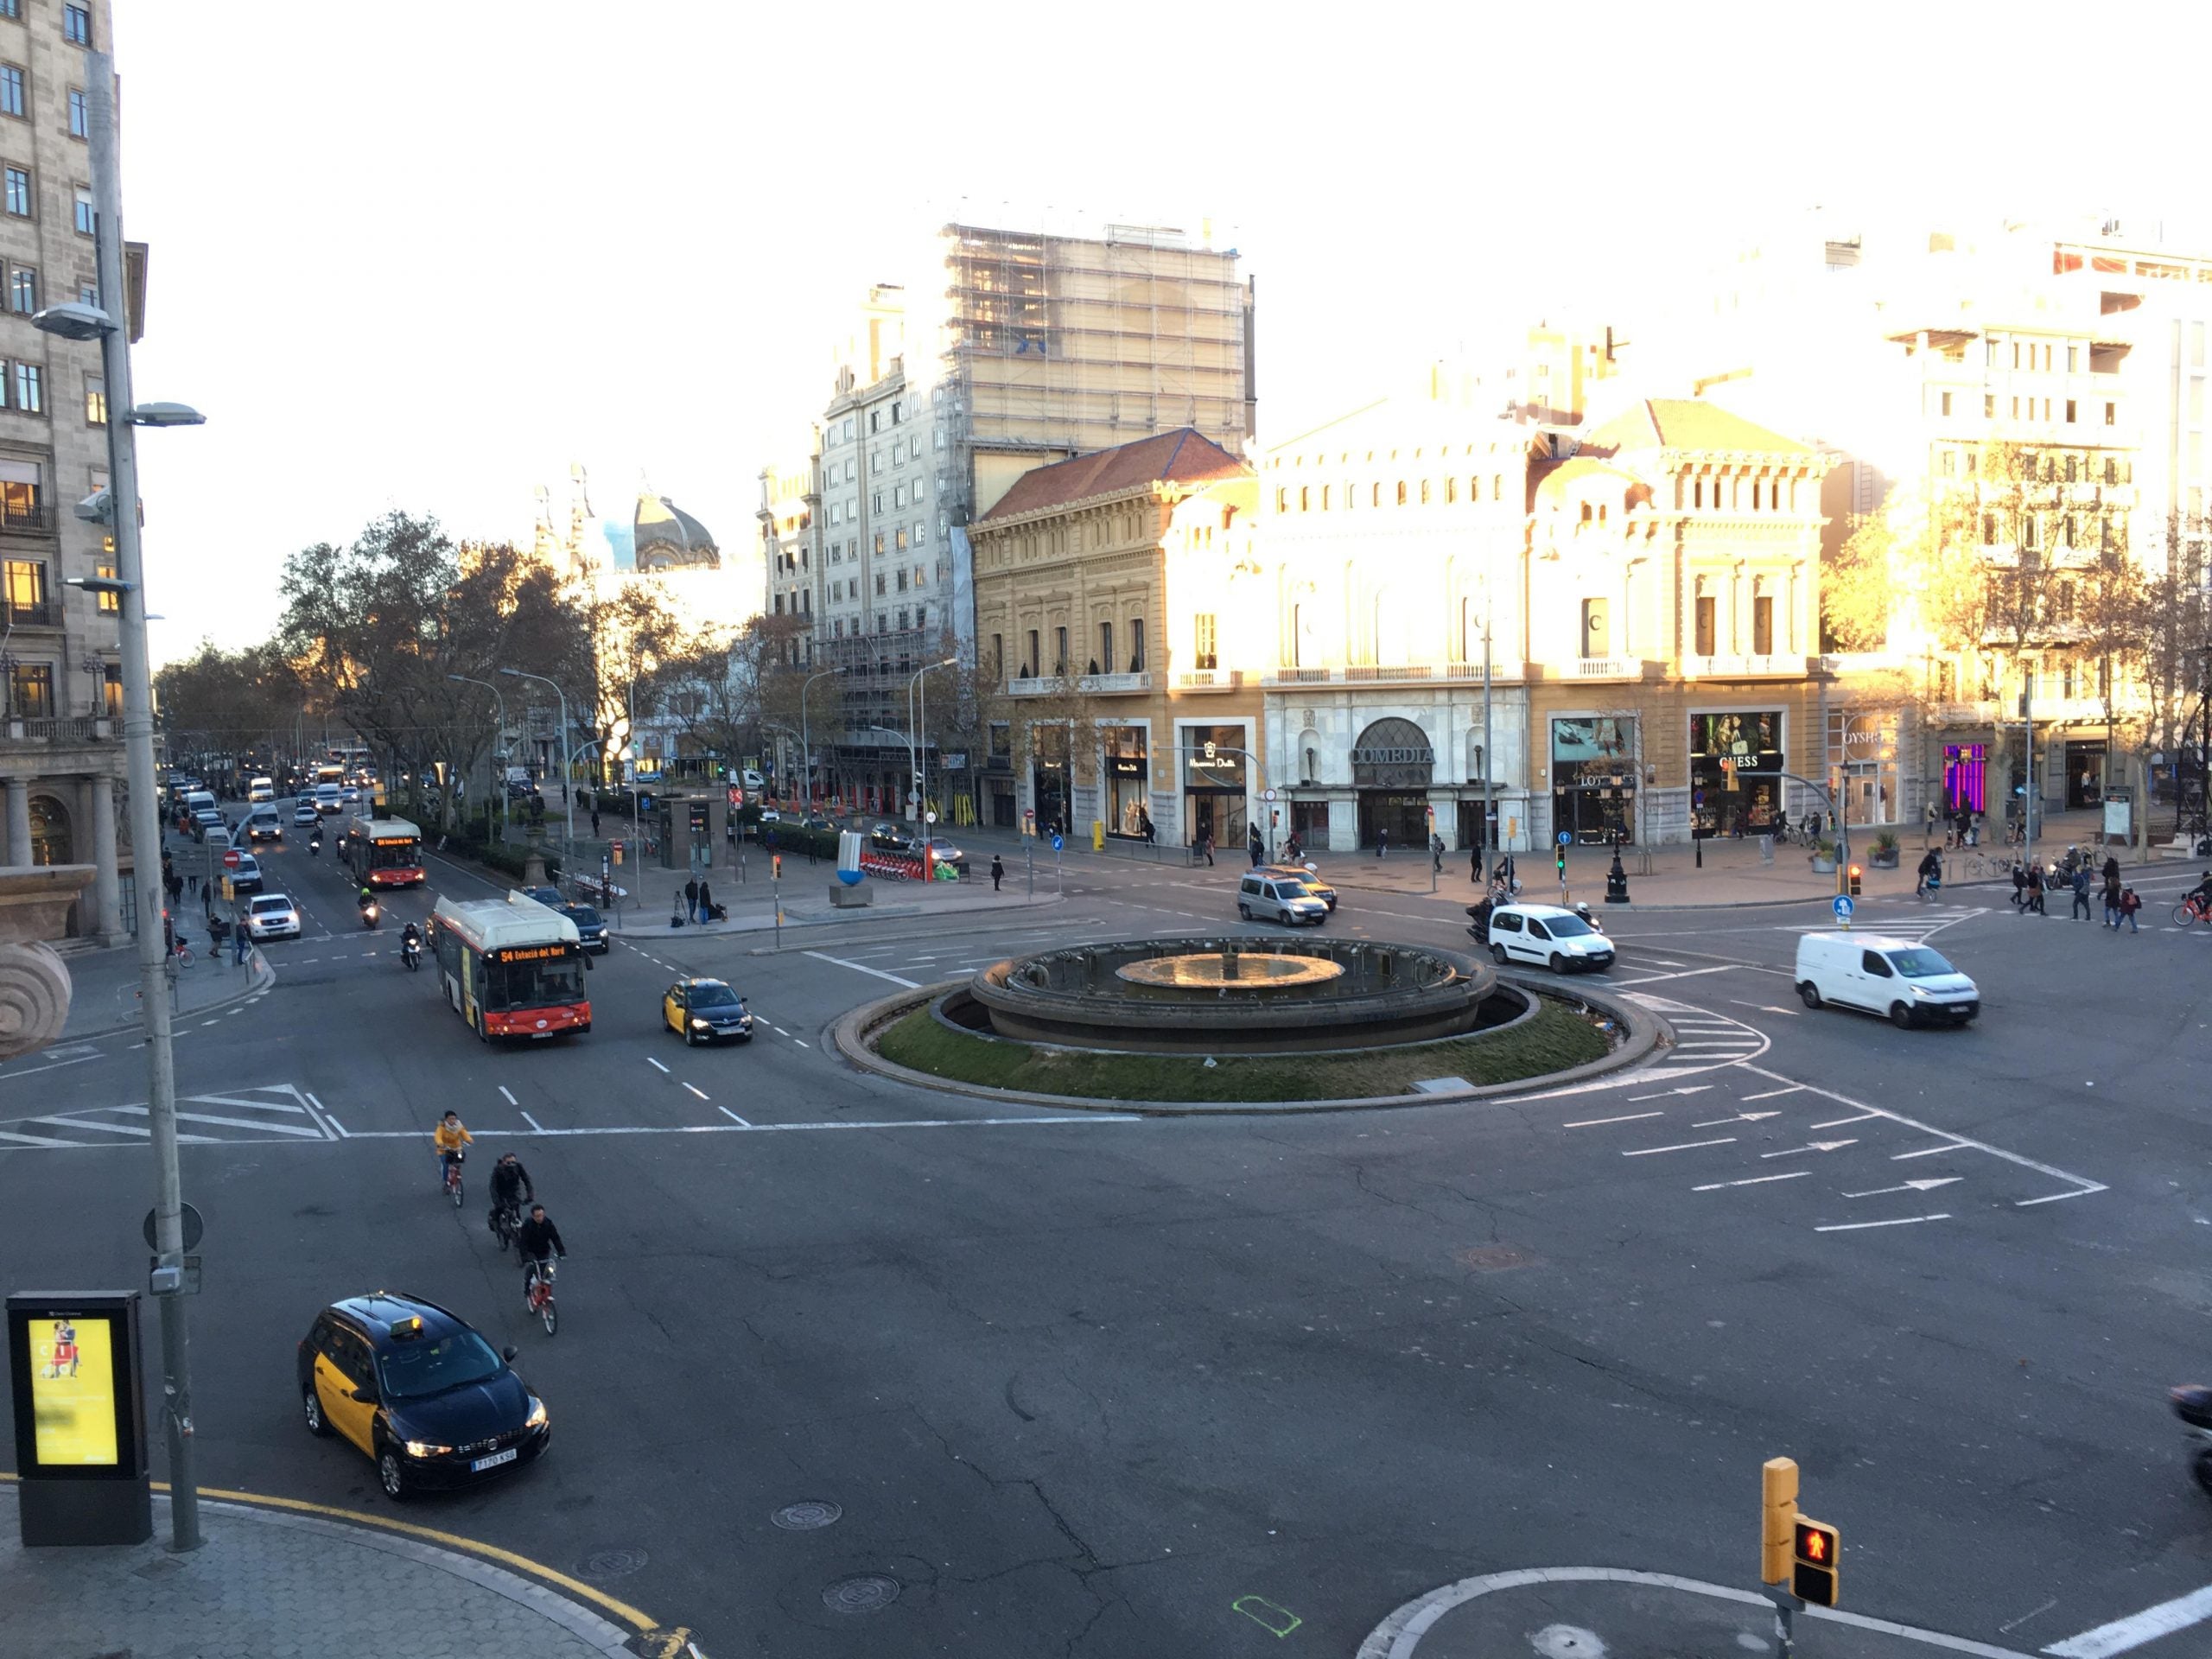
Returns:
(493, 1461)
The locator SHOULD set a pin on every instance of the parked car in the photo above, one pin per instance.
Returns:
(1908, 982)
(208, 822)
(1277, 898)
(271, 916)
(1548, 935)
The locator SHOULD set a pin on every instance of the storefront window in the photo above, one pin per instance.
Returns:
(1594, 778)
(1726, 753)
(1213, 783)
(1863, 748)
(1128, 781)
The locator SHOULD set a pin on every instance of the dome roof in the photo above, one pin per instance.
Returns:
(665, 537)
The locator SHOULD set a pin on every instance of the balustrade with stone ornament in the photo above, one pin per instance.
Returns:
(34, 987)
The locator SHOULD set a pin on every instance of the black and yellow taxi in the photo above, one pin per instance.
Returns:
(706, 1011)
(418, 1391)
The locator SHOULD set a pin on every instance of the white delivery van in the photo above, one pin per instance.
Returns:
(259, 789)
(1909, 982)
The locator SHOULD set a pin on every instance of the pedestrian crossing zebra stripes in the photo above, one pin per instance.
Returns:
(276, 1112)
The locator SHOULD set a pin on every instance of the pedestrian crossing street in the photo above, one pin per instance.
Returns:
(275, 1112)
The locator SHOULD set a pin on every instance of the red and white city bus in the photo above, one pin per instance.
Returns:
(511, 967)
(383, 852)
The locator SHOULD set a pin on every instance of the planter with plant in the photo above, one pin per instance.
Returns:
(1884, 854)
(1824, 858)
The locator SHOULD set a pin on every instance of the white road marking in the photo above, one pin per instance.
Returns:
(1812, 1146)
(802, 1042)
(655, 1064)
(2123, 1634)
(2054, 1197)
(230, 1123)
(1751, 1180)
(862, 968)
(533, 1122)
(1740, 1117)
(1838, 1122)
(1688, 973)
(1661, 961)
(1686, 1146)
(88, 1124)
(780, 1128)
(1912, 1186)
(1860, 1226)
(1591, 1123)
(1687, 1089)
(696, 1090)
(343, 1133)
(509, 1098)
(55, 1066)
(1929, 1151)
(1772, 1093)
(733, 1117)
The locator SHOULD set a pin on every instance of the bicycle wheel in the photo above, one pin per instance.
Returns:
(550, 1314)
(2184, 915)
(456, 1189)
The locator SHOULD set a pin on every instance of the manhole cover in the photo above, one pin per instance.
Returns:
(611, 1563)
(805, 1517)
(1494, 1258)
(863, 1595)
(1567, 1642)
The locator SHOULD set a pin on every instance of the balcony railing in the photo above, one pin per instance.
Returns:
(1735, 667)
(1210, 679)
(1084, 684)
(39, 615)
(30, 515)
(1597, 668)
(61, 728)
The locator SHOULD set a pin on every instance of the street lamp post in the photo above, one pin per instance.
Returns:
(498, 785)
(77, 321)
(806, 747)
(567, 755)
(921, 735)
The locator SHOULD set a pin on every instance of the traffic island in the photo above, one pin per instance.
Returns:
(1529, 1031)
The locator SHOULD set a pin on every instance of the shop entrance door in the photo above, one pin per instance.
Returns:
(1406, 817)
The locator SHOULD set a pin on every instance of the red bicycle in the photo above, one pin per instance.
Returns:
(537, 1292)
(2192, 909)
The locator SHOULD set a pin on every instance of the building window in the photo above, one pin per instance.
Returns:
(30, 392)
(1205, 636)
(11, 7)
(1705, 607)
(1988, 405)
(1450, 491)
(23, 290)
(1137, 645)
(1762, 626)
(87, 216)
(1304, 498)
(1375, 494)
(112, 691)
(1029, 668)
(26, 586)
(2112, 414)
(80, 114)
(879, 579)
(1597, 628)
(31, 691)
(1947, 405)
(1059, 650)
(77, 25)
(1105, 648)
(18, 185)
(1402, 492)
(95, 400)
(12, 90)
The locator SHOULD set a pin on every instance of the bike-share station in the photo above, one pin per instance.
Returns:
(80, 1417)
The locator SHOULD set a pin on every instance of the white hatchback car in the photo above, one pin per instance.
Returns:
(271, 916)
(1546, 934)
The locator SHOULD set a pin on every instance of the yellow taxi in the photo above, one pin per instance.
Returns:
(706, 1011)
(418, 1391)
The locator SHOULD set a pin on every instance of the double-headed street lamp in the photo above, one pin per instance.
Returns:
(117, 508)
(567, 755)
(921, 732)
(499, 785)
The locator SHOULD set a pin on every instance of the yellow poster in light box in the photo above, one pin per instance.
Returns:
(72, 1392)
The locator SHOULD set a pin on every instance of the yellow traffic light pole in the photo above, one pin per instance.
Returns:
(1798, 1556)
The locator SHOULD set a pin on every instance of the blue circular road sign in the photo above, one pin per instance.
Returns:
(1056, 844)
(1843, 906)
(1567, 838)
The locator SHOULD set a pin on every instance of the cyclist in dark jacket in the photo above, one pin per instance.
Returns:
(538, 1239)
(511, 1184)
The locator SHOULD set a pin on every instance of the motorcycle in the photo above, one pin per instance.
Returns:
(370, 913)
(2193, 1405)
(410, 954)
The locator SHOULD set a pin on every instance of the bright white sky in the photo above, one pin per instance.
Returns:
(424, 255)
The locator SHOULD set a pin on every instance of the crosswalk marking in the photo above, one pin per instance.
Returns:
(266, 1112)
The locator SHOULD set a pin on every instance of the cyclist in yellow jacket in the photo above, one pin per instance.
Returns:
(450, 1137)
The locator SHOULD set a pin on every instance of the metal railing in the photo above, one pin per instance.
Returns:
(35, 515)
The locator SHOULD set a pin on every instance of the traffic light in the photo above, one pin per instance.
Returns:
(1855, 873)
(776, 865)
(1778, 1515)
(1815, 1547)
(1563, 864)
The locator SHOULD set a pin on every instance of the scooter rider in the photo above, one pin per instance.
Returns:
(410, 940)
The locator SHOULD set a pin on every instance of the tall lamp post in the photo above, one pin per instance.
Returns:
(500, 784)
(119, 512)
(567, 755)
(921, 735)
(807, 748)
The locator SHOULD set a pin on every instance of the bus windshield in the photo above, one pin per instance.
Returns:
(546, 982)
(395, 854)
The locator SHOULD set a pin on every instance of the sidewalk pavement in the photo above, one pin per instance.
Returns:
(1608, 1613)
(104, 984)
(274, 1582)
(806, 902)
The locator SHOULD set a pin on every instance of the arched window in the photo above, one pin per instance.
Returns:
(1424, 492)
(1497, 487)
(1374, 493)
(1402, 492)
(1450, 491)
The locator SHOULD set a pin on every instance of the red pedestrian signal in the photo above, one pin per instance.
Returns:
(1816, 1547)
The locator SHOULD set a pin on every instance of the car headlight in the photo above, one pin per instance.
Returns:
(424, 1449)
(701, 1025)
(538, 1414)
(1917, 991)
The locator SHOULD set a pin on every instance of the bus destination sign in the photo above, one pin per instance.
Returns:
(531, 952)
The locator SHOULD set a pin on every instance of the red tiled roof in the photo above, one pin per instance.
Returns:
(1686, 424)
(1182, 456)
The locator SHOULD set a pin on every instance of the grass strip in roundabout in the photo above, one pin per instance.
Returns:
(1556, 1038)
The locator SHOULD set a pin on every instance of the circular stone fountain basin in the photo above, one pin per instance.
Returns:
(1229, 970)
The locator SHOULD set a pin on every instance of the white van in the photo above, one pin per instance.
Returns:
(1550, 934)
(328, 798)
(259, 789)
(1907, 982)
(1260, 897)
(197, 800)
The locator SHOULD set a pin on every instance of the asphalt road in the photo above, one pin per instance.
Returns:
(1080, 1383)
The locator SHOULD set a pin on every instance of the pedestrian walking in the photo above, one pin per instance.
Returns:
(240, 944)
(998, 871)
(2112, 897)
(692, 899)
(2019, 886)
(2130, 902)
(1381, 840)
(2111, 871)
(1256, 847)
(2035, 890)
(2081, 884)
(1475, 864)
(1205, 846)
(1436, 853)
(595, 823)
